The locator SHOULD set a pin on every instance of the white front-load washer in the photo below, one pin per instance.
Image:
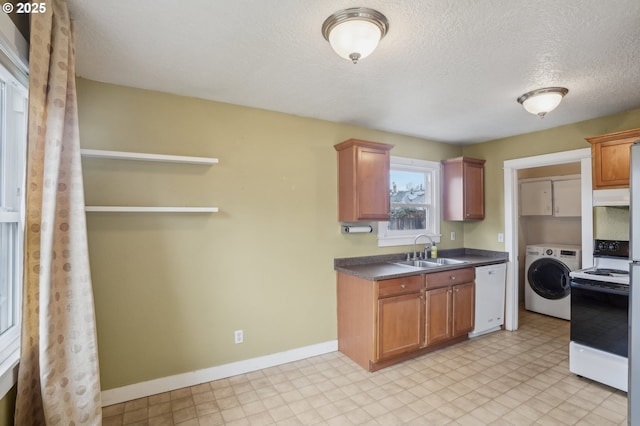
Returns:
(547, 288)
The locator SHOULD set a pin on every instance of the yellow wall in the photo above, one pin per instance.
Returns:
(549, 171)
(20, 20)
(484, 234)
(8, 407)
(170, 289)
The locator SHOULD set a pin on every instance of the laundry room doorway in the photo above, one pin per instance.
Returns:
(519, 234)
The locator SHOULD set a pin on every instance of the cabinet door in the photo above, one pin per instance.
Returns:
(437, 315)
(363, 180)
(566, 198)
(611, 164)
(463, 189)
(398, 325)
(535, 198)
(473, 191)
(463, 308)
(610, 158)
(372, 184)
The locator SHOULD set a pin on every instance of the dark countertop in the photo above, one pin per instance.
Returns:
(375, 268)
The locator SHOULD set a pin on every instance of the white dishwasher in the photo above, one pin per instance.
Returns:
(490, 291)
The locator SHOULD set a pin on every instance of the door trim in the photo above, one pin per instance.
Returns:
(511, 168)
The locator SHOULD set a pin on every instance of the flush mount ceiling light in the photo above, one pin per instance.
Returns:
(542, 101)
(354, 33)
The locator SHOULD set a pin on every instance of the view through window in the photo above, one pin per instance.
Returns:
(414, 197)
(410, 196)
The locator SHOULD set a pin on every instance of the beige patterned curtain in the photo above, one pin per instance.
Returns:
(58, 379)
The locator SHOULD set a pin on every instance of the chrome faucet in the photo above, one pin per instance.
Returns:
(415, 240)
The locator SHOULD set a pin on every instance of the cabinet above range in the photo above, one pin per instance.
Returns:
(610, 158)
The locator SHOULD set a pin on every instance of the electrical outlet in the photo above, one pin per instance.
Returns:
(501, 238)
(453, 235)
(238, 336)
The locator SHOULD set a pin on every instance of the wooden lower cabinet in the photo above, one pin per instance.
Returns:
(464, 303)
(384, 322)
(399, 320)
(449, 309)
(438, 315)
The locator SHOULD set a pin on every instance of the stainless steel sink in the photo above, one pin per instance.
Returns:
(446, 261)
(432, 263)
(418, 263)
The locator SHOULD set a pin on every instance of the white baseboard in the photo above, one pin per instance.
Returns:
(166, 384)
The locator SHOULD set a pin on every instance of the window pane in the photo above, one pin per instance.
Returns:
(3, 151)
(415, 202)
(407, 187)
(407, 218)
(428, 198)
(8, 233)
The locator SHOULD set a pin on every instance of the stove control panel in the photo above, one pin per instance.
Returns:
(613, 248)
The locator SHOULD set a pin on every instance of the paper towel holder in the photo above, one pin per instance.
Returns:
(356, 229)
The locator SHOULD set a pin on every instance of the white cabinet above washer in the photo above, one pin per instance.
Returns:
(566, 198)
(535, 198)
(550, 197)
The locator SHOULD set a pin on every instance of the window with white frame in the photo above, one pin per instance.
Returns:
(414, 192)
(13, 134)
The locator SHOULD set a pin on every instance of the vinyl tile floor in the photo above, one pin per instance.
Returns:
(502, 378)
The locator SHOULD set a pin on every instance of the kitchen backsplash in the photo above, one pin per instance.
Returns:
(611, 223)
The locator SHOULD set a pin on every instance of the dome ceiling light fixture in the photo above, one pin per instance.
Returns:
(542, 101)
(354, 33)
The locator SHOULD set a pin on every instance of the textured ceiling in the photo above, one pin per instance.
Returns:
(448, 71)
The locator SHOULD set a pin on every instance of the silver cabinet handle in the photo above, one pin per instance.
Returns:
(403, 285)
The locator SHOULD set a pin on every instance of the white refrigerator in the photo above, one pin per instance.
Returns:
(633, 396)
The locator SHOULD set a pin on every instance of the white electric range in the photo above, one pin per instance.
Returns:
(600, 316)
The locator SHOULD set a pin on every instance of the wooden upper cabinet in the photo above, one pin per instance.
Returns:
(610, 158)
(463, 189)
(363, 181)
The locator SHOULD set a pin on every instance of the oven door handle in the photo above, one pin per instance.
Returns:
(601, 288)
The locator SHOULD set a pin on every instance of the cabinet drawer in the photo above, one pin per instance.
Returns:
(441, 279)
(397, 286)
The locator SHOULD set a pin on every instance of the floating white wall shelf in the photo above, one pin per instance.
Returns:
(142, 209)
(138, 156)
